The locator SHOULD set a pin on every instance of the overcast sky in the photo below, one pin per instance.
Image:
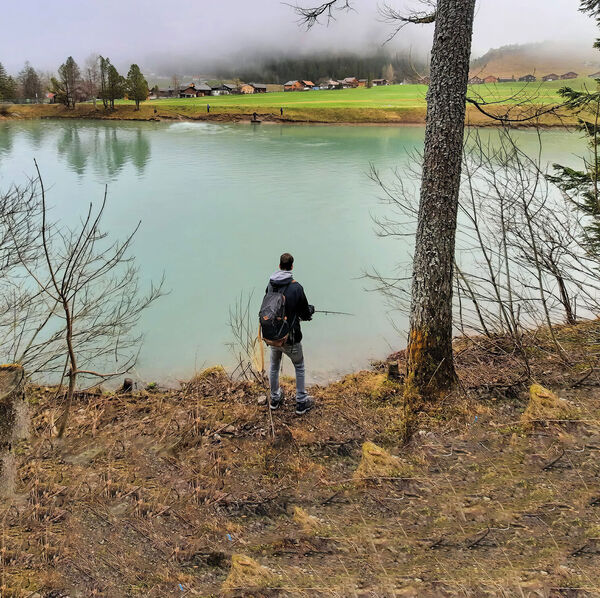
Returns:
(45, 32)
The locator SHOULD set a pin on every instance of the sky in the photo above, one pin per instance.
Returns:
(158, 34)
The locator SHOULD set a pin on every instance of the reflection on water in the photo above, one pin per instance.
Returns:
(104, 147)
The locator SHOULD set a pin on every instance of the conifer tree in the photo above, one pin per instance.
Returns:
(137, 86)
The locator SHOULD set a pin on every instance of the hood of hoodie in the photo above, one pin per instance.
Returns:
(281, 277)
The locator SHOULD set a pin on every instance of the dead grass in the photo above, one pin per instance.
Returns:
(153, 492)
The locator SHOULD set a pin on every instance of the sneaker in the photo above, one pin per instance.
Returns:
(305, 406)
(275, 404)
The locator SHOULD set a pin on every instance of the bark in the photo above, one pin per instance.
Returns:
(14, 423)
(430, 364)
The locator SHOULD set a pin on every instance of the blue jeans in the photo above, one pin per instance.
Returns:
(294, 352)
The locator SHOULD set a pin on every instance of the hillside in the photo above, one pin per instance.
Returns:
(539, 59)
(198, 492)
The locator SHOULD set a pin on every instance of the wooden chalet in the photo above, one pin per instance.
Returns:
(569, 75)
(490, 79)
(595, 75)
(187, 91)
(258, 87)
(168, 92)
(300, 85)
(349, 82)
(551, 77)
(506, 79)
(528, 78)
(363, 82)
(379, 82)
(475, 80)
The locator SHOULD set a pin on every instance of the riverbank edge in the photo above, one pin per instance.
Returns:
(316, 116)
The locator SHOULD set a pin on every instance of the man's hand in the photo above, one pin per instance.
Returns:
(311, 309)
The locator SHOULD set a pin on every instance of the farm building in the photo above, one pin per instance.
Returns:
(331, 84)
(301, 85)
(379, 82)
(475, 80)
(246, 88)
(169, 92)
(569, 75)
(506, 80)
(187, 91)
(362, 82)
(595, 75)
(528, 78)
(490, 79)
(202, 89)
(259, 87)
(349, 82)
(551, 77)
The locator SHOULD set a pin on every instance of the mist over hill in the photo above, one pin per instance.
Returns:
(539, 59)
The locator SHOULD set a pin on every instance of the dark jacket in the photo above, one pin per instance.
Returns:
(296, 304)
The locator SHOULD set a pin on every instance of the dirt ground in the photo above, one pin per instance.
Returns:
(167, 493)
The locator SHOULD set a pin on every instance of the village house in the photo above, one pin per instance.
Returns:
(551, 77)
(259, 87)
(569, 75)
(301, 85)
(506, 80)
(362, 82)
(349, 82)
(187, 91)
(475, 80)
(595, 75)
(169, 92)
(528, 79)
(490, 79)
(246, 88)
(202, 89)
(379, 82)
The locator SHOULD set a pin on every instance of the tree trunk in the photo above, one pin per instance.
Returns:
(430, 364)
(14, 423)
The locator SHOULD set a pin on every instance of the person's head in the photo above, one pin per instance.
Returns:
(286, 261)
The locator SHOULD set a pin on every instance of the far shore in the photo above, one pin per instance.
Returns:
(159, 111)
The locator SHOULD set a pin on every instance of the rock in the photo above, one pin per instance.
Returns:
(247, 574)
(229, 429)
(14, 423)
(262, 400)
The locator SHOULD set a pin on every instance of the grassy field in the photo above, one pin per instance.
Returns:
(394, 104)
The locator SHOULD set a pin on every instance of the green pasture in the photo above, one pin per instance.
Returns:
(391, 96)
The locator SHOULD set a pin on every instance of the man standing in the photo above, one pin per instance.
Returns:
(296, 308)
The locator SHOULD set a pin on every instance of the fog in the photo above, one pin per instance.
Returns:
(164, 37)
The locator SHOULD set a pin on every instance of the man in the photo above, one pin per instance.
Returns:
(296, 309)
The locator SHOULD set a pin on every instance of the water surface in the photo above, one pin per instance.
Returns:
(220, 203)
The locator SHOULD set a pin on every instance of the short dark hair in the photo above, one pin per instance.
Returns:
(286, 261)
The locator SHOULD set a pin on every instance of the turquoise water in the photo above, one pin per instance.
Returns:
(219, 204)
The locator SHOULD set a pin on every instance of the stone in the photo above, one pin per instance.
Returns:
(262, 400)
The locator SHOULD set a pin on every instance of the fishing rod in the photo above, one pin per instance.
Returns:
(332, 313)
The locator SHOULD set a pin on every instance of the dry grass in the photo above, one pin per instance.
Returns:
(153, 493)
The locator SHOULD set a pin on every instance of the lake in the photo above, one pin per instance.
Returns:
(220, 203)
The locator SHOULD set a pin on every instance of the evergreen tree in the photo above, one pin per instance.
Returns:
(116, 85)
(582, 186)
(8, 86)
(137, 86)
(31, 84)
(104, 63)
(66, 86)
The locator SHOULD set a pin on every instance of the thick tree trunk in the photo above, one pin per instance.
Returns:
(14, 423)
(430, 369)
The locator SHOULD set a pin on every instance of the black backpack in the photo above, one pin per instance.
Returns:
(274, 326)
